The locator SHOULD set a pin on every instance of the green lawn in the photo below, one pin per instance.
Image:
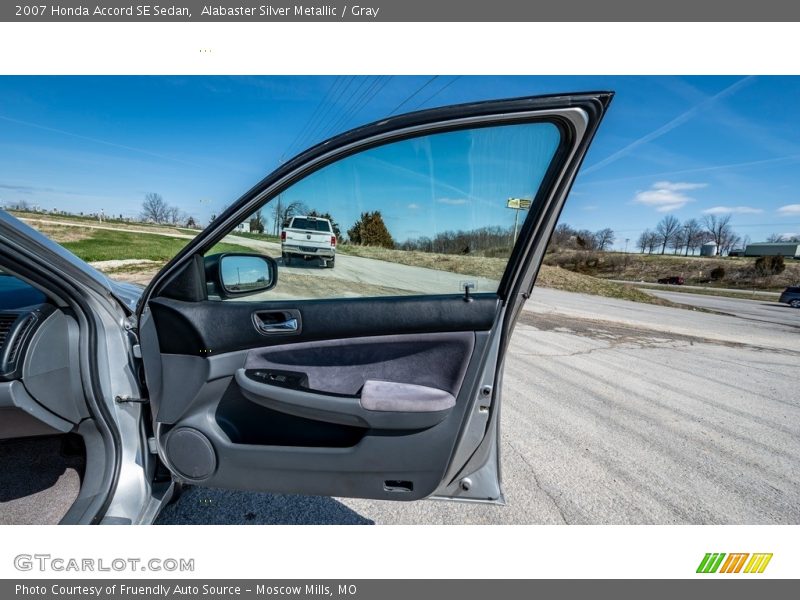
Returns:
(112, 245)
(264, 237)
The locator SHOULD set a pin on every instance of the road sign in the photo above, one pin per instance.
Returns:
(519, 203)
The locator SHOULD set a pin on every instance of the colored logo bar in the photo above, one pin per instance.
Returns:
(719, 562)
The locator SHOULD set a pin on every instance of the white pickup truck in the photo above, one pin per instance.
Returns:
(307, 238)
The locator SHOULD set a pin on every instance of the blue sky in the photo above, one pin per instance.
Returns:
(670, 145)
(459, 180)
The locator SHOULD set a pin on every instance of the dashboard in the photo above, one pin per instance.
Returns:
(40, 386)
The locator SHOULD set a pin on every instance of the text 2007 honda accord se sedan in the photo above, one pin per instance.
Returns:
(216, 374)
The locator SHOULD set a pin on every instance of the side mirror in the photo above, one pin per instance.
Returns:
(238, 274)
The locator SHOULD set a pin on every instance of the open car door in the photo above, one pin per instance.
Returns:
(382, 378)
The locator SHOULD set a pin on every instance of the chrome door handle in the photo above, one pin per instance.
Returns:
(287, 326)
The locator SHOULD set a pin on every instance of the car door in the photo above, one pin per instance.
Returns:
(382, 378)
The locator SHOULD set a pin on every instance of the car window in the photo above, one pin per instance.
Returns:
(15, 293)
(428, 215)
(311, 225)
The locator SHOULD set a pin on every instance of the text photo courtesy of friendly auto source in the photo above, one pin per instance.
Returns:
(313, 333)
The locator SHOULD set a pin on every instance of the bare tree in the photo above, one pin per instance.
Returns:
(257, 222)
(775, 237)
(692, 235)
(676, 242)
(604, 238)
(155, 208)
(562, 235)
(174, 215)
(644, 240)
(652, 243)
(719, 229)
(586, 240)
(283, 211)
(666, 230)
(732, 241)
(745, 242)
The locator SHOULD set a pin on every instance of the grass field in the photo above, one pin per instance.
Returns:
(135, 252)
(40, 220)
(264, 237)
(739, 272)
(102, 245)
(492, 268)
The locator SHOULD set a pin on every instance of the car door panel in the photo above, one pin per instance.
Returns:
(246, 444)
(389, 398)
(208, 328)
(257, 447)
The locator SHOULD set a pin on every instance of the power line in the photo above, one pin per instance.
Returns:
(346, 107)
(348, 112)
(439, 91)
(332, 96)
(322, 123)
(419, 89)
(313, 116)
(366, 97)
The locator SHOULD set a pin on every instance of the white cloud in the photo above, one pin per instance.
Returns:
(732, 210)
(453, 201)
(789, 210)
(678, 186)
(666, 196)
(413, 206)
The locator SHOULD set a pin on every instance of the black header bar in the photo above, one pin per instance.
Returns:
(403, 11)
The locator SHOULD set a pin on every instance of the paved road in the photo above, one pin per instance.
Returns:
(614, 412)
(717, 327)
(759, 310)
(354, 271)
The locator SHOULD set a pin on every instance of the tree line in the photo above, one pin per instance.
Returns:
(567, 237)
(688, 236)
(669, 234)
(157, 210)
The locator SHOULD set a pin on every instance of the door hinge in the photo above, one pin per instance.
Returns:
(124, 399)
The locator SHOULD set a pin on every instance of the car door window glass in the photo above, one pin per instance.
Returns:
(428, 215)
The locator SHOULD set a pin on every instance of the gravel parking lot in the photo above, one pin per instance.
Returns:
(613, 412)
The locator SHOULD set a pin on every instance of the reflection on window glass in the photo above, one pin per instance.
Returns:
(428, 215)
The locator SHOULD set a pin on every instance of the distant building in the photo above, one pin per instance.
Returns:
(785, 249)
(243, 227)
(708, 249)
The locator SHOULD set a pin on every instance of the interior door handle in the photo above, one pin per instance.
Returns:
(283, 327)
(277, 322)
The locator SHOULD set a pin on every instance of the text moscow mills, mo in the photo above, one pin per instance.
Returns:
(184, 590)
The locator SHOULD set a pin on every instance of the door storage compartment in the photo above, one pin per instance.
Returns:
(245, 422)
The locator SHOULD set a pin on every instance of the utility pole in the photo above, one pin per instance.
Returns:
(517, 204)
(626, 251)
